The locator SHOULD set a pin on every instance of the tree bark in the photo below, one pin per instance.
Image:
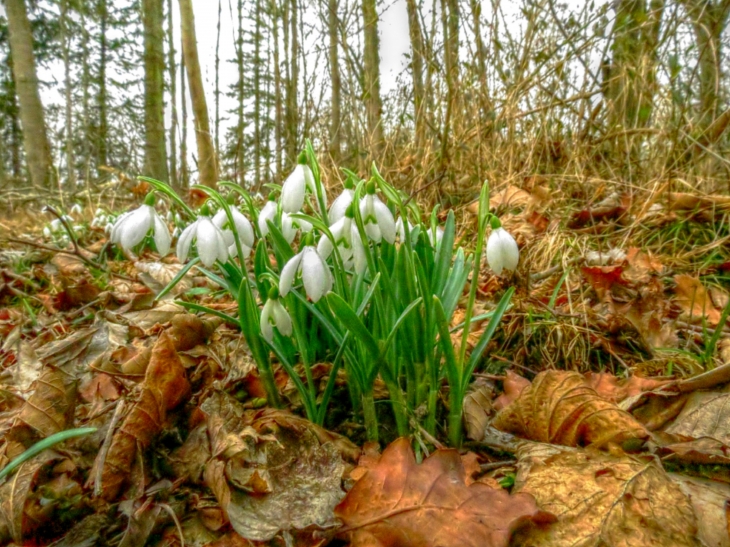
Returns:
(173, 97)
(207, 162)
(102, 98)
(371, 75)
(184, 173)
(417, 56)
(155, 163)
(336, 99)
(292, 112)
(278, 94)
(69, 137)
(35, 139)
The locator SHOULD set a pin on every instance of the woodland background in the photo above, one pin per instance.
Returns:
(631, 91)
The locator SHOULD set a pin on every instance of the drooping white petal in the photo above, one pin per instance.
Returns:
(267, 213)
(288, 272)
(221, 246)
(502, 251)
(265, 322)
(292, 192)
(162, 235)
(136, 227)
(208, 242)
(340, 205)
(315, 274)
(115, 235)
(385, 220)
(287, 227)
(185, 240)
(282, 320)
(358, 251)
(373, 232)
(324, 247)
(243, 227)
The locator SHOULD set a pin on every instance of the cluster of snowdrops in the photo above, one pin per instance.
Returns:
(370, 287)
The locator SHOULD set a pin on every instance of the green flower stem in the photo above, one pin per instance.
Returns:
(369, 415)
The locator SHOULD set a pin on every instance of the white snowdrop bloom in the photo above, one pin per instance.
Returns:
(131, 228)
(290, 226)
(76, 209)
(108, 228)
(340, 205)
(56, 225)
(169, 217)
(376, 217)
(47, 232)
(436, 234)
(268, 213)
(349, 244)
(316, 275)
(243, 228)
(502, 251)
(400, 229)
(294, 188)
(210, 242)
(273, 315)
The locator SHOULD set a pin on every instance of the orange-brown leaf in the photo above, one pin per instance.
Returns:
(401, 503)
(561, 408)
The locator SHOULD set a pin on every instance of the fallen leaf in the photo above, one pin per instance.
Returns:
(478, 409)
(615, 389)
(704, 450)
(603, 500)
(157, 275)
(561, 408)
(165, 387)
(705, 414)
(709, 501)
(695, 301)
(513, 385)
(401, 503)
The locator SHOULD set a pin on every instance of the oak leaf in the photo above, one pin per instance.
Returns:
(401, 503)
(561, 408)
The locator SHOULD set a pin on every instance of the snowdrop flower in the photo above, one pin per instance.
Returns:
(502, 250)
(211, 243)
(340, 205)
(290, 226)
(131, 228)
(377, 218)
(347, 239)
(274, 315)
(268, 213)
(295, 186)
(400, 229)
(315, 273)
(243, 228)
(76, 209)
(436, 234)
(47, 232)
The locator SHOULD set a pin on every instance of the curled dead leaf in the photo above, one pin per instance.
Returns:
(561, 408)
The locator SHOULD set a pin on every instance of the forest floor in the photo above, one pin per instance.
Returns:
(600, 415)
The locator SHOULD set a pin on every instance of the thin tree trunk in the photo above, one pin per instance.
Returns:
(371, 76)
(70, 161)
(292, 113)
(207, 163)
(278, 94)
(240, 133)
(154, 89)
(173, 96)
(336, 100)
(35, 139)
(257, 95)
(485, 101)
(102, 99)
(417, 51)
(450, 15)
(184, 173)
(217, 83)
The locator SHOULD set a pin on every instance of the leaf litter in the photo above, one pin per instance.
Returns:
(183, 448)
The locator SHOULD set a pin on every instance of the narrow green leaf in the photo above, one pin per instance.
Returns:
(204, 309)
(354, 324)
(178, 277)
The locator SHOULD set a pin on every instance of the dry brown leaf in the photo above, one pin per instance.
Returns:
(478, 409)
(400, 503)
(642, 266)
(513, 385)
(695, 301)
(162, 313)
(16, 490)
(705, 450)
(615, 389)
(705, 414)
(157, 275)
(709, 500)
(603, 500)
(165, 387)
(561, 408)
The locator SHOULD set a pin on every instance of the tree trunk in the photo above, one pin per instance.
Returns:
(207, 163)
(292, 112)
(35, 139)
(278, 94)
(336, 100)
(217, 93)
(485, 101)
(184, 173)
(371, 75)
(417, 55)
(69, 138)
(102, 99)
(240, 158)
(257, 152)
(155, 162)
(450, 21)
(173, 97)
(708, 22)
